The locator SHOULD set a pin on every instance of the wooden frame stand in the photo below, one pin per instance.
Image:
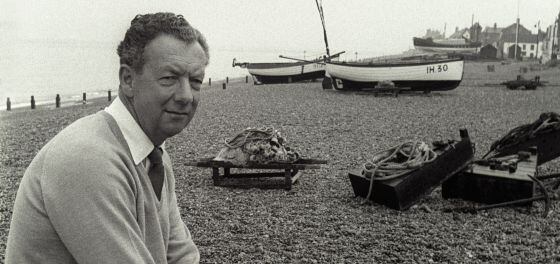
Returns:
(291, 172)
(391, 90)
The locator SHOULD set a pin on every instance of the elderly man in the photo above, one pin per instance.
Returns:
(103, 189)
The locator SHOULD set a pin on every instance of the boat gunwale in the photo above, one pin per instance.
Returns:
(420, 42)
(272, 65)
(380, 65)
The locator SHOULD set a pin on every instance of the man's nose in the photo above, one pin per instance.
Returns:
(184, 93)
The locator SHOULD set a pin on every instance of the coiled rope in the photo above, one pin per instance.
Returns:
(547, 122)
(397, 162)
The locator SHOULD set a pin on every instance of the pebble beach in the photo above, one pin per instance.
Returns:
(319, 220)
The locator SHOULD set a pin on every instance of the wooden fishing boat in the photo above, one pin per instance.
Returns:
(283, 72)
(419, 74)
(460, 46)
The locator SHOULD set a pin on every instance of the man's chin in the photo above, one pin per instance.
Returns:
(174, 129)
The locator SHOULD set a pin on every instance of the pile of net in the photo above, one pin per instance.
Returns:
(257, 145)
(546, 123)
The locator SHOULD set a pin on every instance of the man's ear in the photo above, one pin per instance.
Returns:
(126, 74)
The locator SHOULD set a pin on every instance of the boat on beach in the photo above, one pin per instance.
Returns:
(417, 74)
(459, 46)
(283, 72)
(426, 72)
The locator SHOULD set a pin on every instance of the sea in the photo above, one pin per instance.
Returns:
(44, 69)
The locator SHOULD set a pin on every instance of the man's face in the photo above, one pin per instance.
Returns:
(166, 93)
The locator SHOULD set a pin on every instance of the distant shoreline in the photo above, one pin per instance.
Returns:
(72, 99)
(95, 96)
(41, 105)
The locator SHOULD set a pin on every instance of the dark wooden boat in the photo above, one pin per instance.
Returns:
(283, 72)
(460, 46)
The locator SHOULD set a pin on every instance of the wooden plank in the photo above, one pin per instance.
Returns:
(296, 176)
(290, 174)
(300, 164)
(255, 175)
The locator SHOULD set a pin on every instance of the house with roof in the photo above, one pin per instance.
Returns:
(490, 39)
(527, 45)
(461, 34)
(474, 33)
(491, 35)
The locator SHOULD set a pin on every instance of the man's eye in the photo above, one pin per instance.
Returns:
(168, 80)
(199, 81)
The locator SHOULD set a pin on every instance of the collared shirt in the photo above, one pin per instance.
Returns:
(138, 142)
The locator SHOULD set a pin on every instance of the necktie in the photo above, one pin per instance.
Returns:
(156, 171)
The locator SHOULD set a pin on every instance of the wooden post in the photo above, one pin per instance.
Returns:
(109, 95)
(8, 104)
(83, 98)
(224, 86)
(209, 81)
(216, 176)
(288, 179)
(32, 102)
(57, 100)
(227, 79)
(246, 79)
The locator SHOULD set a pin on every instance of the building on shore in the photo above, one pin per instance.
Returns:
(550, 42)
(527, 44)
(434, 34)
(461, 34)
(491, 37)
(500, 42)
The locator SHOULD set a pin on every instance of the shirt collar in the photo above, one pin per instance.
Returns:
(138, 142)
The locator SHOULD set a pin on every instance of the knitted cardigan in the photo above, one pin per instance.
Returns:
(83, 200)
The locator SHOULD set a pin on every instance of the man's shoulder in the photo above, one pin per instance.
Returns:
(88, 139)
(88, 150)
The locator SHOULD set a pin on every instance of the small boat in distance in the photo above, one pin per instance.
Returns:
(283, 72)
(418, 73)
(459, 46)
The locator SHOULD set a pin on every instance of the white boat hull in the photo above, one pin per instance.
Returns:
(287, 71)
(438, 75)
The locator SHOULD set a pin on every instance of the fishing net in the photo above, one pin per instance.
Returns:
(257, 145)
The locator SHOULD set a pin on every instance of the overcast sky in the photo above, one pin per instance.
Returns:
(270, 24)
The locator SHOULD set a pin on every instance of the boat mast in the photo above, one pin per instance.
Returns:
(516, 33)
(320, 8)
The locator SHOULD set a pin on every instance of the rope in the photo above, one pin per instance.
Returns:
(547, 122)
(397, 162)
